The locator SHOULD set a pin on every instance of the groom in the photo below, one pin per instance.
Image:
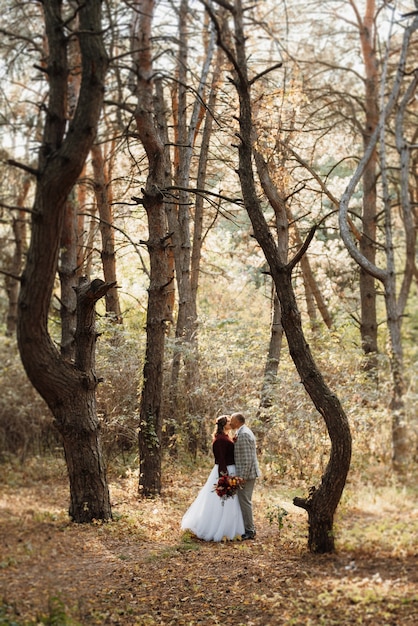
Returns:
(246, 466)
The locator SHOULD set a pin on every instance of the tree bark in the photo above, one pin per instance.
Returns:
(277, 201)
(200, 441)
(181, 226)
(66, 387)
(80, 429)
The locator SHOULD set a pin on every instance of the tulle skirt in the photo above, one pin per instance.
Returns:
(211, 518)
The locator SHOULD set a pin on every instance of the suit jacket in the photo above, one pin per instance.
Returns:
(246, 464)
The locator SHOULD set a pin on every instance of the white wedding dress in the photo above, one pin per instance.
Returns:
(211, 518)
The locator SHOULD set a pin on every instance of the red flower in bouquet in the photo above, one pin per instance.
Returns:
(227, 486)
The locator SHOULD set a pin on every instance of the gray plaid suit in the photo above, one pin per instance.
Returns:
(246, 466)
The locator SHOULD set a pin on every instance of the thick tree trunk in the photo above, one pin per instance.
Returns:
(78, 423)
(67, 388)
(86, 469)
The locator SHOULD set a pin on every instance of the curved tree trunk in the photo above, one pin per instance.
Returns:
(323, 501)
(67, 388)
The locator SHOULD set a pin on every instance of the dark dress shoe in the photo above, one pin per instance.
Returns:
(249, 534)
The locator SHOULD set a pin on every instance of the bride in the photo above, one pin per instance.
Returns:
(209, 517)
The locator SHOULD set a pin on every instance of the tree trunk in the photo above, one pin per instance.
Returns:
(68, 278)
(15, 264)
(321, 505)
(158, 312)
(102, 191)
(150, 424)
(67, 388)
(69, 243)
(277, 200)
(85, 246)
(273, 356)
(368, 325)
(79, 425)
(401, 435)
(400, 427)
(323, 501)
(200, 441)
(309, 298)
(181, 217)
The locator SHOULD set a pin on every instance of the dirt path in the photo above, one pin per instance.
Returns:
(141, 570)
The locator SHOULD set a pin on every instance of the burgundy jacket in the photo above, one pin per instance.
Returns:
(223, 451)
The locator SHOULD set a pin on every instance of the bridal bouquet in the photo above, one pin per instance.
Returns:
(227, 486)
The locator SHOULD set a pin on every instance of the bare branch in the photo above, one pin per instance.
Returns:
(302, 249)
(22, 166)
(11, 207)
(10, 275)
(266, 71)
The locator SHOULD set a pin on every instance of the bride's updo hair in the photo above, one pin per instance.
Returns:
(220, 425)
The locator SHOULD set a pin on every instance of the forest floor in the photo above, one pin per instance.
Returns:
(141, 569)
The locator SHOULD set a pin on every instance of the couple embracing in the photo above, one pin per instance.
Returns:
(210, 517)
